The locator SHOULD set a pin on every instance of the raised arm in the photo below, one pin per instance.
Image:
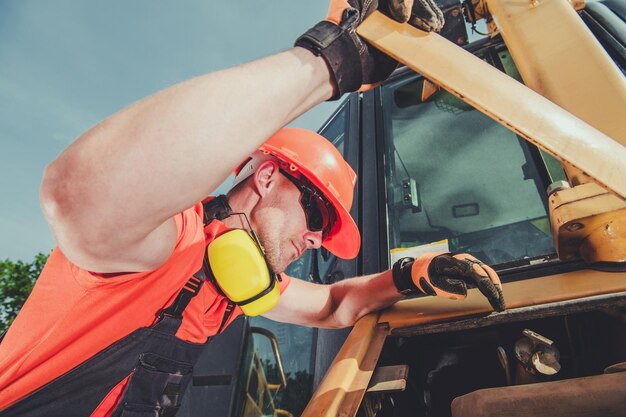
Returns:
(110, 196)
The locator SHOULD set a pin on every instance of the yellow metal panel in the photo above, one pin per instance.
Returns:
(345, 383)
(530, 292)
(589, 222)
(520, 109)
(558, 57)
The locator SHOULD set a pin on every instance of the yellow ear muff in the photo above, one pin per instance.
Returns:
(240, 270)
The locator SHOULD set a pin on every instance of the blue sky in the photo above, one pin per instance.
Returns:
(66, 65)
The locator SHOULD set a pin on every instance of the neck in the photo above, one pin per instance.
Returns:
(241, 201)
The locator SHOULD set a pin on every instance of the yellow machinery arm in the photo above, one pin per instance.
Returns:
(345, 383)
(502, 98)
(559, 58)
(589, 223)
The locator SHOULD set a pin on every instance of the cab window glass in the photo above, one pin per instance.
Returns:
(335, 130)
(458, 181)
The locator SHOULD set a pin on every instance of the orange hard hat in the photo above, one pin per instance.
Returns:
(313, 156)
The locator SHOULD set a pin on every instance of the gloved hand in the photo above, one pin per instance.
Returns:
(447, 275)
(423, 14)
(354, 64)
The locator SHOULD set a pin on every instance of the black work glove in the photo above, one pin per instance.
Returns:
(447, 275)
(354, 64)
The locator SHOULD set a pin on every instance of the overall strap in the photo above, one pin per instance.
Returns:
(216, 209)
(190, 290)
(230, 307)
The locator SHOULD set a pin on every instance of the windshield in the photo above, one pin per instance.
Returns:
(458, 181)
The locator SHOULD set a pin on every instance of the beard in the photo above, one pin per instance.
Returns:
(272, 237)
(273, 251)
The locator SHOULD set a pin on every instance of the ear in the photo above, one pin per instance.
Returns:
(266, 178)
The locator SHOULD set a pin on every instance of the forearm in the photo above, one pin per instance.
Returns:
(444, 275)
(164, 153)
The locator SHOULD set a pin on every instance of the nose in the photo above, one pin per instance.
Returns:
(313, 240)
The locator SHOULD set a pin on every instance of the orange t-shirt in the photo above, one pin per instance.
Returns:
(72, 314)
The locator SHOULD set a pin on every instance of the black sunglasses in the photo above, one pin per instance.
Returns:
(320, 214)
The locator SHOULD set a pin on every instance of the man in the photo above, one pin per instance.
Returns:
(138, 282)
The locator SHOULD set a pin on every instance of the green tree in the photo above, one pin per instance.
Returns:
(16, 282)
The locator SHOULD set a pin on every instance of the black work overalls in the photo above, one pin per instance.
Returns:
(160, 365)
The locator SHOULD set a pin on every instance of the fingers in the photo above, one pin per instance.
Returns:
(498, 303)
(427, 16)
(424, 14)
(486, 280)
(400, 10)
(492, 275)
(447, 271)
(492, 292)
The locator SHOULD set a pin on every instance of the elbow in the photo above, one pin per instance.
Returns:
(53, 196)
(342, 319)
(55, 200)
(343, 310)
(58, 198)
(61, 194)
(339, 322)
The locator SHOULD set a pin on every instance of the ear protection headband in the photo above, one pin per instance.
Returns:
(235, 263)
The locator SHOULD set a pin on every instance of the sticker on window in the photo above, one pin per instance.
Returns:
(416, 251)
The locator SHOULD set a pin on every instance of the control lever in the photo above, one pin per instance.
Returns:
(504, 361)
(536, 356)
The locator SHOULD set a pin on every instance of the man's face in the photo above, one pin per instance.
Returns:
(280, 223)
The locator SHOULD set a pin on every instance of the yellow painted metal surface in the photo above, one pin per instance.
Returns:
(530, 292)
(345, 383)
(519, 108)
(558, 57)
(588, 222)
